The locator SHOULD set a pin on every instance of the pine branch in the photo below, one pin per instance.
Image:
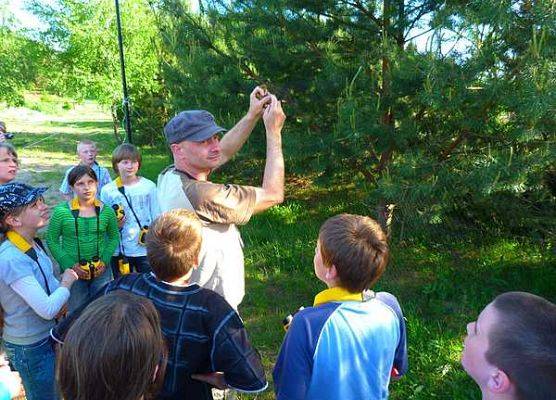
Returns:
(455, 143)
(366, 12)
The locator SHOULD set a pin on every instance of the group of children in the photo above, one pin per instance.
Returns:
(157, 334)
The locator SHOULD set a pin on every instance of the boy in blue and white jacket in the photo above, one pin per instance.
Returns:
(138, 199)
(352, 341)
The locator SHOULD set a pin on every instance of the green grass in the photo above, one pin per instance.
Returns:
(441, 284)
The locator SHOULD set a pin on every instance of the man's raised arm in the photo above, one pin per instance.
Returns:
(234, 139)
(272, 190)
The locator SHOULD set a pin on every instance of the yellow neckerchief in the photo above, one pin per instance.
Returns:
(336, 294)
(74, 204)
(19, 241)
(27, 248)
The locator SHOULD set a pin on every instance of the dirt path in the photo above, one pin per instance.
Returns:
(46, 143)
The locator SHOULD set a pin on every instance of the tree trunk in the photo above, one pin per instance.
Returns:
(384, 210)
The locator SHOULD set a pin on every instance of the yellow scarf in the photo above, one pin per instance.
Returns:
(336, 294)
(74, 205)
(19, 241)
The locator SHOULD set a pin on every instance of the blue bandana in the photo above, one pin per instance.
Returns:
(15, 194)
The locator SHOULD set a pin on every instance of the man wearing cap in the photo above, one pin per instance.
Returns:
(197, 151)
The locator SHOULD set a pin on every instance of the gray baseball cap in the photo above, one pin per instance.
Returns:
(192, 125)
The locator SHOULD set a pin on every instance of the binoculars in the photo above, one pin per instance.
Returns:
(119, 210)
(143, 235)
(286, 322)
(123, 265)
(91, 267)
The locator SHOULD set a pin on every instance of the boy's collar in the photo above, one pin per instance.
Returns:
(336, 294)
(185, 284)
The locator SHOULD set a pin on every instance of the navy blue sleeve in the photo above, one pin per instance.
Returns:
(400, 357)
(233, 354)
(58, 333)
(294, 367)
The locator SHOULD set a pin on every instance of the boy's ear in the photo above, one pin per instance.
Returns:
(499, 382)
(331, 273)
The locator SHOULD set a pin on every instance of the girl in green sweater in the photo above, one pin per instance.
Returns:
(83, 235)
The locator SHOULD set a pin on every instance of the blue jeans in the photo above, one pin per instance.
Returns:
(83, 291)
(35, 364)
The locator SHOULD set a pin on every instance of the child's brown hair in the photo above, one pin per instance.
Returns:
(357, 247)
(174, 243)
(80, 171)
(114, 351)
(10, 149)
(125, 151)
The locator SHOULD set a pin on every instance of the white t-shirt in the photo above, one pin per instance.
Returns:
(143, 199)
(220, 208)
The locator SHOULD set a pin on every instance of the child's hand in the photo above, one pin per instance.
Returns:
(68, 277)
(81, 273)
(215, 379)
(63, 311)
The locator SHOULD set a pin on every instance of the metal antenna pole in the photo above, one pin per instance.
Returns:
(125, 101)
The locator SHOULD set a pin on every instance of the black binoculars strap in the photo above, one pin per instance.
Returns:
(32, 254)
(75, 214)
(122, 191)
(121, 243)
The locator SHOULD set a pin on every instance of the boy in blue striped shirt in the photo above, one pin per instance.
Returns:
(353, 340)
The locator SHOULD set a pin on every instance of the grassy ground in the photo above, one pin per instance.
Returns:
(441, 285)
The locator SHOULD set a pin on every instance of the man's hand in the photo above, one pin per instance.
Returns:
(274, 116)
(258, 99)
(215, 379)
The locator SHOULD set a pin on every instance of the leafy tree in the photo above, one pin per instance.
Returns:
(442, 132)
(85, 35)
(22, 59)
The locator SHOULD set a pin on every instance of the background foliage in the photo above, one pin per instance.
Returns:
(445, 109)
(456, 130)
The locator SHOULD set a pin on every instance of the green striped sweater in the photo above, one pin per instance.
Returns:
(62, 241)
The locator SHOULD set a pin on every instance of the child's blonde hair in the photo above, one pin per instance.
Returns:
(85, 142)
